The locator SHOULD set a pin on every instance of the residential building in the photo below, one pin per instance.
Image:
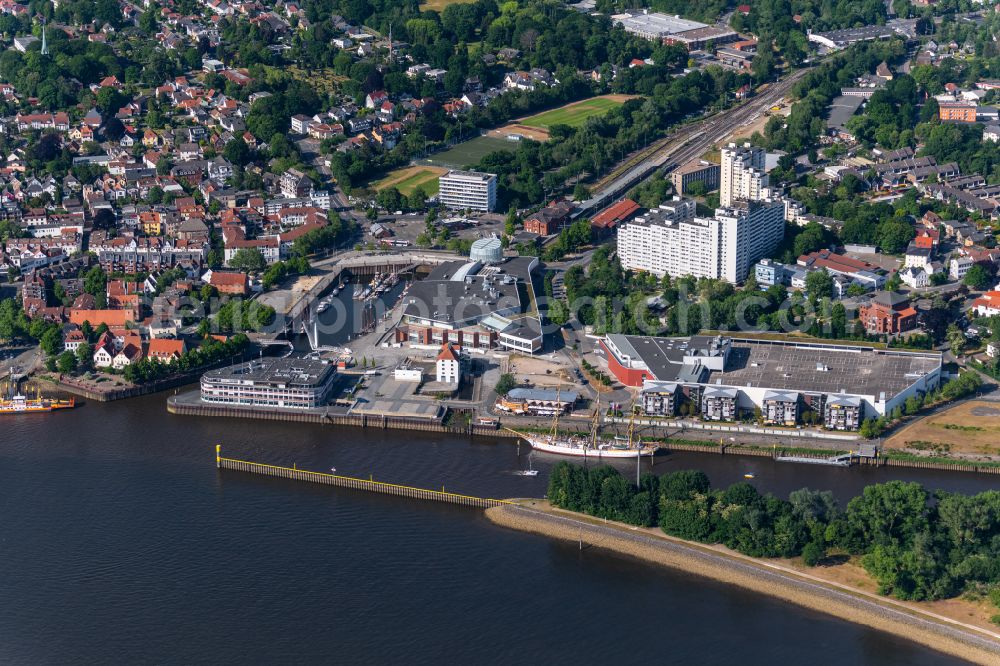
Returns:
(165, 350)
(987, 305)
(742, 174)
(671, 240)
(695, 171)
(957, 112)
(468, 190)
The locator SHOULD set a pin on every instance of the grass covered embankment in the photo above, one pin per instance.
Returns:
(902, 619)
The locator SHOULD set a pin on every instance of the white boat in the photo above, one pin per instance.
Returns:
(582, 447)
(531, 471)
(323, 307)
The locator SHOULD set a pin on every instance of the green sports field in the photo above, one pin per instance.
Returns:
(409, 179)
(576, 114)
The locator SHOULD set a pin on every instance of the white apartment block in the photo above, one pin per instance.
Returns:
(468, 189)
(671, 240)
(742, 174)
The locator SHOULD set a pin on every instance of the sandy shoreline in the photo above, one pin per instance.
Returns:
(937, 632)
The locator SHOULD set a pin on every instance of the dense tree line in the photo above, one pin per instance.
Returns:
(531, 170)
(210, 352)
(814, 92)
(915, 543)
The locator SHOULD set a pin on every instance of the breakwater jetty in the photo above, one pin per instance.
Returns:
(352, 483)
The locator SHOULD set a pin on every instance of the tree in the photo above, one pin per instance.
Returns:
(113, 129)
(819, 284)
(51, 341)
(84, 356)
(813, 553)
(67, 362)
(104, 218)
(977, 277)
(248, 260)
(506, 383)
(894, 235)
(238, 152)
(956, 339)
(888, 514)
(48, 148)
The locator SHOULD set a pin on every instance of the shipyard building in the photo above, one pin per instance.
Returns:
(475, 305)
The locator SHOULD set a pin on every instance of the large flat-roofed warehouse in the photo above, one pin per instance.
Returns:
(721, 378)
(295, 383)
(477, 306)
(658, 27)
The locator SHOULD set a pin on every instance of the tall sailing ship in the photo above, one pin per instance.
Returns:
(13, 402)
(590, 445)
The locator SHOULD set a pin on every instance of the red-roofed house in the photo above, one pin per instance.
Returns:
(98, 317)
(164, 350)
(230, 282)
(987, 305)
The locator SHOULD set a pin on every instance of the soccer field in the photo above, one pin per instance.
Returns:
(468, 153)
(575, 114)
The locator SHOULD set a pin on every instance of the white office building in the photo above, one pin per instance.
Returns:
(742, 174)
(671, 240)
(468, 189)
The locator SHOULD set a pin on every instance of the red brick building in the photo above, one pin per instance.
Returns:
(550, 219)
(888, 313)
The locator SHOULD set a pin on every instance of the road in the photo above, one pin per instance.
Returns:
(689, 142)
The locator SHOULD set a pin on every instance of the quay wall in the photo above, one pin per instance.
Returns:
(183, 408)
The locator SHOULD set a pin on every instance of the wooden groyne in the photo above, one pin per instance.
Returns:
(351, 483)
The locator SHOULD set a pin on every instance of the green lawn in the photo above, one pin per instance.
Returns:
(468, 153)
(574, 115)
(426, 180)
(439, 5)
(409, 179)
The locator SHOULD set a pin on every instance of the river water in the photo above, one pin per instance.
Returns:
(122, 543)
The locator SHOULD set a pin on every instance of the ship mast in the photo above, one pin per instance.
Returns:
(631, 423)
(555, 417)
(596, 426)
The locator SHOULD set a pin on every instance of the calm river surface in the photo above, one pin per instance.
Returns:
(121, 543)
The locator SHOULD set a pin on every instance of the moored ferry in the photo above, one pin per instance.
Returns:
(13, 402)
(19, 404)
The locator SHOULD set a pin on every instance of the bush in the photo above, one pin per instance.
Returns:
(506, 383)
(813, 553)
